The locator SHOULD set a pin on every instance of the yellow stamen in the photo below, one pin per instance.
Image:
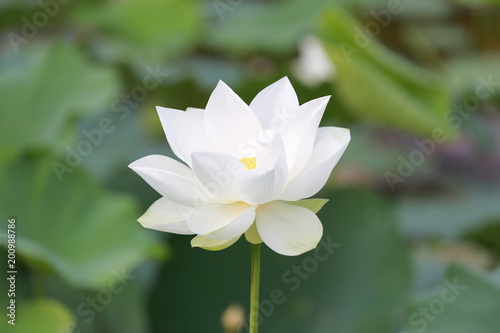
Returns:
(249, 162)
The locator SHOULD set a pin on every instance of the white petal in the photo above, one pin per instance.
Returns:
(325, 155)
(269, 149)
(252, 235)
(184, 131)
(287, 229)
(197, 110)
(343, 134)
(227, 177)
(213, 244)
(300, 132)
(275, 100)
(222, 222)
(229, 123)
(172, 179)
(219, 173)
(264, 185)
(165, 215)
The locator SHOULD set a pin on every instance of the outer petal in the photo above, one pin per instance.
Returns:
(171, 179)
(213, 244)
(164, 215)
(184, 131)
(287, 229)
(300, 132)
(229, 122)
(273, 102)
(228, 178)
(222, 222)
(325, 155)
(343, 134)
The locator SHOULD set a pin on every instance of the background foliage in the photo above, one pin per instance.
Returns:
(414, 203)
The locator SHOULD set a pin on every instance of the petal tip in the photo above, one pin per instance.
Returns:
(285, 80)
(223, 84)
(133, 165)
(327, 97)
(344, 135)
(160, 109)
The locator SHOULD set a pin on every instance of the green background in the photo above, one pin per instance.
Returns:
(414, 202)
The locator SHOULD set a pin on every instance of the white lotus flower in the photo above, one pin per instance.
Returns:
(244, 168)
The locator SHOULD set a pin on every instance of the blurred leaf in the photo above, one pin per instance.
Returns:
(24, 280)
(478, 75)
(477, 3)
(72, 227)
(129, 141)
(206, 72)
(124, 312)
(149, 20)
(128, 312)
(495, 276)
(125, 144)
(378, 85)
(410, 9)
(467, 302)
(360, 288)
(24, 4)
(41, 316)
(41, 95)
(489, 236)
(432, 258)
(427, 42)
(356, 287)
(150, 30)
(373, 154)
(483, 132)
(449, 216)
(272, 27)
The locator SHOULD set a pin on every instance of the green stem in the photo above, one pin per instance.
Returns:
(254, 289)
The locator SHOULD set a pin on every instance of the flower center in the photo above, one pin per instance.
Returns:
(249, 162)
